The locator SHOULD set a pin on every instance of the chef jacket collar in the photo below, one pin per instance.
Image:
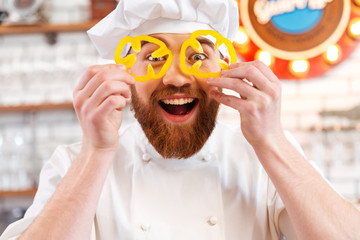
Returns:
(204, 155)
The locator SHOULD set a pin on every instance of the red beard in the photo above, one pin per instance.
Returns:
(175, 140)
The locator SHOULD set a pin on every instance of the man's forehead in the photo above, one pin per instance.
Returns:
(179, 38)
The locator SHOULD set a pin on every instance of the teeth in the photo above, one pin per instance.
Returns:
(178, 101)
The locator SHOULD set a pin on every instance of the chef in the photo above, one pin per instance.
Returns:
(177, 173)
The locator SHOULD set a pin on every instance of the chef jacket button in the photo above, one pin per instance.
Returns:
(145, 227)
(205, 158)
(213, 220)
(146, 157)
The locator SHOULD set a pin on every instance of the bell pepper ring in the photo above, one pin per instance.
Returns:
(195, 44)
(130, 59)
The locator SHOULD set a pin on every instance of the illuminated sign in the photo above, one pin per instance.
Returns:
(298, 38)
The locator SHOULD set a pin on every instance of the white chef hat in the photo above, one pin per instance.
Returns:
(137, 17)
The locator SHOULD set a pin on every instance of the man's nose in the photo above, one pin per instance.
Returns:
(175, 76)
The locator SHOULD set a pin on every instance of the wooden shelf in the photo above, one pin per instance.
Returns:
(22, 193)
(46, 28)
(48, 106)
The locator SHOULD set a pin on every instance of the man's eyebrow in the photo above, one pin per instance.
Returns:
(206, 42)
(143, 43)
(160, 38)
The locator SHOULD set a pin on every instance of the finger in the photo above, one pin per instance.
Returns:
(243, 88)
(86, 77)
(110, 104)
(249, 72)
(262, 67)
(109, 88)
(228, 100)
(105, 76)
(93, 70)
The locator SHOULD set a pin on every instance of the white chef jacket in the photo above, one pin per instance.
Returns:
(222, 192)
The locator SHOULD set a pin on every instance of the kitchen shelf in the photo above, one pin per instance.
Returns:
(37, 107)
(22, 193)
(46, 28)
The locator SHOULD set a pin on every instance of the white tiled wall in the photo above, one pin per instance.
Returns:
(337, 90)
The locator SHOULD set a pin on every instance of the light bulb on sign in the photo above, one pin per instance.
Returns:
(265, 57)
(241, 36)
(332, 54)
(299, 67)
(354, 28)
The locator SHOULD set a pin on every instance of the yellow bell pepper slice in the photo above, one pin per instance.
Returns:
(130, 59)
(195, 44)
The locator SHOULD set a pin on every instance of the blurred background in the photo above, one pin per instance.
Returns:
(44, 50)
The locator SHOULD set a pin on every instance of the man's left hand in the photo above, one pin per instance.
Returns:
(258, 102)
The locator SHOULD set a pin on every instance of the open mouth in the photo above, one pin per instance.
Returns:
(178, 106)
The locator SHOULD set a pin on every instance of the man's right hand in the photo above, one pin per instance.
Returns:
(99, 99)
